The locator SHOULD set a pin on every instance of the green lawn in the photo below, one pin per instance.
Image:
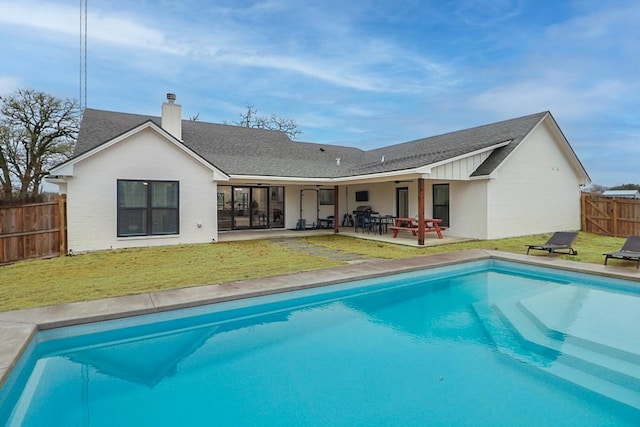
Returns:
(131, 271)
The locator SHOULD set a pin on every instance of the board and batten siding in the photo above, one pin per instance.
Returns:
(92, 204)
(459, 169)
(536, 190)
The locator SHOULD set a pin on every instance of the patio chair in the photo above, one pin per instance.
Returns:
(558, 241)
(363, 221)
(630, 251)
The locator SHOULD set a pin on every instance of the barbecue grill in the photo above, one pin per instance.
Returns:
(363, 209)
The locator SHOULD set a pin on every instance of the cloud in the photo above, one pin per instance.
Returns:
(529, 96)
(329, 52)
(580, 68)
(614, 25)
(329, 49)
(9, 84)
(367, 73)
(341, 56)
(486, 13)
(117, 29)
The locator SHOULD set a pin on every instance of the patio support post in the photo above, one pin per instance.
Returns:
(336, 209)
(421, 211)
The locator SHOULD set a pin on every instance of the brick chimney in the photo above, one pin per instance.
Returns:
(172, 116)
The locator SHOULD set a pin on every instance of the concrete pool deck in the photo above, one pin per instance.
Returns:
(18, 328)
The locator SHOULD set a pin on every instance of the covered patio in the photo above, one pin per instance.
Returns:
(405, 239)
(281, 206)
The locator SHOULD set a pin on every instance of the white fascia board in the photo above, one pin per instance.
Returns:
(281, 179)
(55, 179)
(494, 173)
(378, 176)
(220, 176)
(564, 146)
(66, 169)
(483, 177)
(318, 180)
(568, 151)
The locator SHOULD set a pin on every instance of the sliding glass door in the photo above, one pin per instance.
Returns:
(259, 207)
(248, 207)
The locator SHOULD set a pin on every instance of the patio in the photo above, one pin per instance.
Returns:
(405, 239)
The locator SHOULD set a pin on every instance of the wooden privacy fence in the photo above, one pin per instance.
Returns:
(36, 230)
(610, 216)
(39, 230)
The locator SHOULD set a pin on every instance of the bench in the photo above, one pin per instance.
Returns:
(396, 229)
(409, 224)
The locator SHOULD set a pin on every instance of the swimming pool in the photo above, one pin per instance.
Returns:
(482, 343)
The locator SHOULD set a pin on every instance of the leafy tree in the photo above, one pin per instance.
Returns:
(37, 130)
(251, 119)
(626, 187)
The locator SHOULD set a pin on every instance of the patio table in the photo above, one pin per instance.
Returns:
(380, 223)
(411, 224)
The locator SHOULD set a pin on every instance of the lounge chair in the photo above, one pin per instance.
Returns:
(630, 251)
(558, 241)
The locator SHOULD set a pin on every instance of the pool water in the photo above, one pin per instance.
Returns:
(485, 343)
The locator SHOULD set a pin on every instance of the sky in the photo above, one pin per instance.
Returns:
(363, 73)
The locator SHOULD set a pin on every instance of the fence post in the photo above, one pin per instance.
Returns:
(614, 218)
(62, 223)
(583, 211)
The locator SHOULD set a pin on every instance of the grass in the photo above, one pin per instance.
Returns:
(131, 271)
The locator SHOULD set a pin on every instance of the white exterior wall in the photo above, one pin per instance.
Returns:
(381, 197)
(536, 190)
(92, 192)
(292, 205)
(468, 209)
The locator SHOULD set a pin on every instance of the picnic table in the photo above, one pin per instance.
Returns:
(411, 224)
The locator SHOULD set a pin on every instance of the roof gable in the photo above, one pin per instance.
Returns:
(499, 156)
(67, 168)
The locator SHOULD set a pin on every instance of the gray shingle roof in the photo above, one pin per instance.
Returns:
(243, 151)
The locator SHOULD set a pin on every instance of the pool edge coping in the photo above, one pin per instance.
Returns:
(19, 327)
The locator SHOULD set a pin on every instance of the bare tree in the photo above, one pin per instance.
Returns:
(595, 188)
(37, 130)
(6, 150)
(251, 119)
